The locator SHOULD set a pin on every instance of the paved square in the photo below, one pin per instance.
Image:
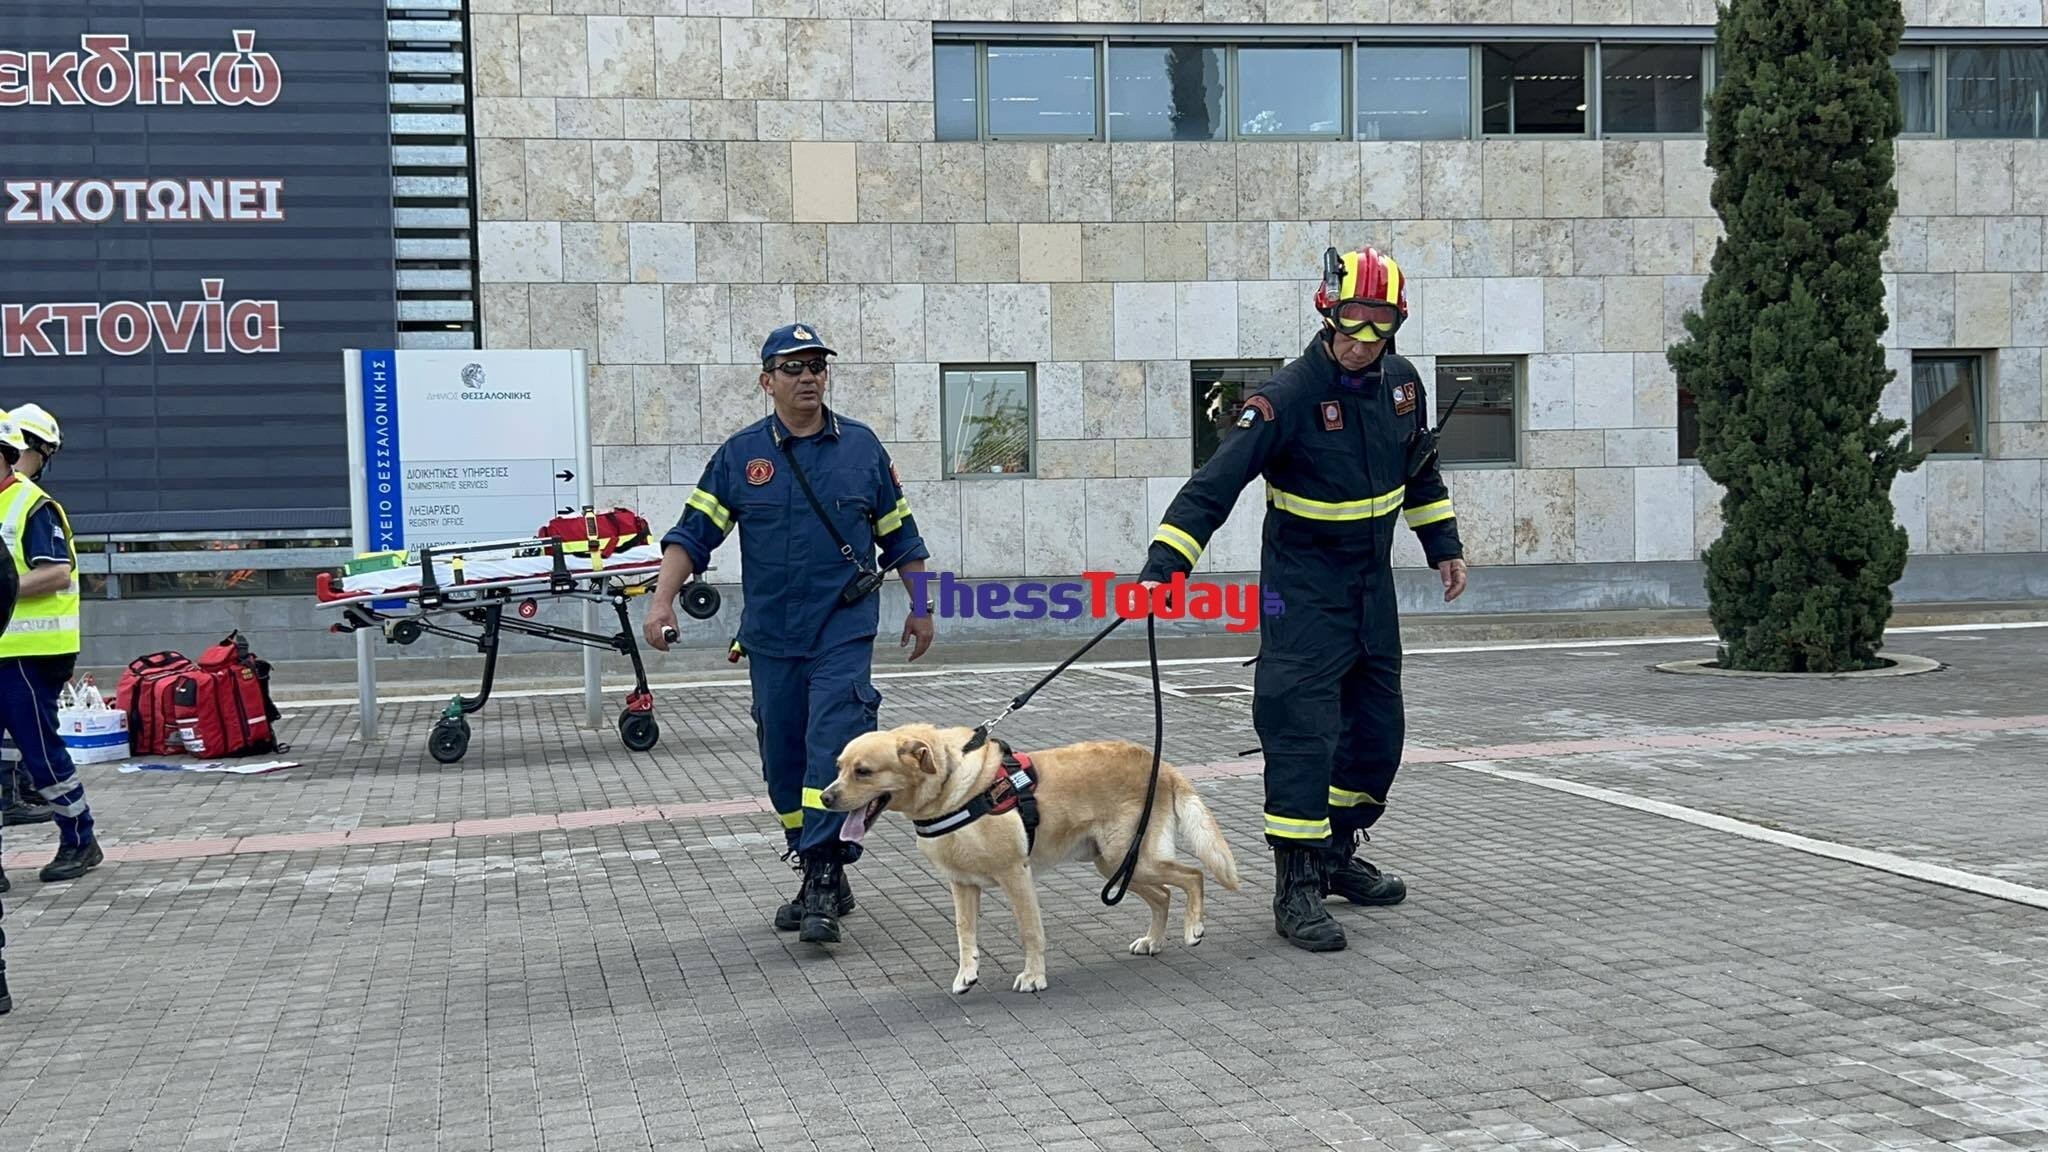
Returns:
(560, 945)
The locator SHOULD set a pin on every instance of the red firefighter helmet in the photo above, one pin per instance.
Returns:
(1363, 294)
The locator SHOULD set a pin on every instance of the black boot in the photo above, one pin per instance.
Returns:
(1298, 912)
(790, 916)
(73, 861)
(15, 814)
(15, 805)
(1356, 879)
(6, 1001)
(819, 900)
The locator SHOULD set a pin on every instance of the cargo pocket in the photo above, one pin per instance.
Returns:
(870, 699)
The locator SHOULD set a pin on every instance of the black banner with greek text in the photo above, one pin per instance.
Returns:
(195, 220)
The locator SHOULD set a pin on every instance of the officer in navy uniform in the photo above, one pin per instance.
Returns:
(1342, 437)
(812, 599)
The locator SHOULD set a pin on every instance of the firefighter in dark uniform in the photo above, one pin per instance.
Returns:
(812, 599)
(1342, 437)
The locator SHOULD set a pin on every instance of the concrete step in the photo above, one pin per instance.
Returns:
(312, 680)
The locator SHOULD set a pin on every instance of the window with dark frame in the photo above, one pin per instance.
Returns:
(1094, 89)
(1483, 429)
(1998, 93)
(1652, 89)
(1167, 92)
(1533, 89)
(1404, 92)
(987, 418)
(956, 91)
(1291, 91)
(1948, 403)
(1914, 68)
(1041, 90)
(1219, 389)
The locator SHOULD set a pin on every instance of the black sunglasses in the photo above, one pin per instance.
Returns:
(816, 366)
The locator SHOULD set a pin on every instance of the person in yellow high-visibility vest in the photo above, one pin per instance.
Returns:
(39, 651)
(10, 587)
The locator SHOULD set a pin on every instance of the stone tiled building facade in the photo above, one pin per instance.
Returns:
(663, 181)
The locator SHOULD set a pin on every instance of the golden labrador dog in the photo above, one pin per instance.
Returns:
(1089, 798)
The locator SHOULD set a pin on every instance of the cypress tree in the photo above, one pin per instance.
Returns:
(1784, 352)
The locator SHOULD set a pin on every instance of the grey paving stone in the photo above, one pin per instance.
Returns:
(1566, 974)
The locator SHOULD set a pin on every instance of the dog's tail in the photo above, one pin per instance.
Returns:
(1195, 829)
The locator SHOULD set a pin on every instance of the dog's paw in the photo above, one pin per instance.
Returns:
(1030, 982)
(967, 978)
(1195, 931)
(1147, 946)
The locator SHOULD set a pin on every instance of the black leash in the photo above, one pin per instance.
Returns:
(1121, 878)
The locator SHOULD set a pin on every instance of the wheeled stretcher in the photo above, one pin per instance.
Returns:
(478, 582)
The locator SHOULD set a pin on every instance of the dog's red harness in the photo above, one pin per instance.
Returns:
(1015, 789)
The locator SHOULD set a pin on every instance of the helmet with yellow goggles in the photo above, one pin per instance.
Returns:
(1363, 294)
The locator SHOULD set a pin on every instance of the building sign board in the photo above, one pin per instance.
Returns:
(195, 219)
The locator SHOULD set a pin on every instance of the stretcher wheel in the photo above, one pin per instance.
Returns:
(405, 631)
(449, 741)
(639, 730)
(701, 601)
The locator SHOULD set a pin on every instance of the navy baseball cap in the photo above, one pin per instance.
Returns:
(793, 338)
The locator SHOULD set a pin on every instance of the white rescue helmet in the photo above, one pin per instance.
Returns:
(10, 434)
(32, 420)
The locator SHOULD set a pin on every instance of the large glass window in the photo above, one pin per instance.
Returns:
(1948, 403)
(1166, 92)
(1915, 69)
(1997, 93)
(1290, 92)
(1413, 93)
(1533, 89)
(956, 90)
(986, 415)
(1219, 392)
(1652, 88)
(1041, 90)
(1482, 430)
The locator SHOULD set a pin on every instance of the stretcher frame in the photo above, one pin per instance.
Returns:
(483, 603)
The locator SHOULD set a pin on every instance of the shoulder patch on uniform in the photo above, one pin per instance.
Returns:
(1259, 404)
(760, 471)
(1404, 397)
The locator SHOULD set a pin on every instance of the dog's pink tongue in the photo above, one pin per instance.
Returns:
(856, 825)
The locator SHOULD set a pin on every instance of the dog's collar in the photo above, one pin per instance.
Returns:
(1015, 789)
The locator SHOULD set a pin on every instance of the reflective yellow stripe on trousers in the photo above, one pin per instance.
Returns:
(1290, 828)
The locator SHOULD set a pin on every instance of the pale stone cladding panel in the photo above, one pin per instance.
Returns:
(662, 181)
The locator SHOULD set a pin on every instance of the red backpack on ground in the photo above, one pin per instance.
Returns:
(144, 693)
(222, 705)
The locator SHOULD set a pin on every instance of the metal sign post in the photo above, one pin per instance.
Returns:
(462, 447)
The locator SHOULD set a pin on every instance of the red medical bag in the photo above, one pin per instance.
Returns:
(222, 706)
(615, 530)
(144, 693)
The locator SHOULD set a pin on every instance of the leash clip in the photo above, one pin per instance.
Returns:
(981, 732)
